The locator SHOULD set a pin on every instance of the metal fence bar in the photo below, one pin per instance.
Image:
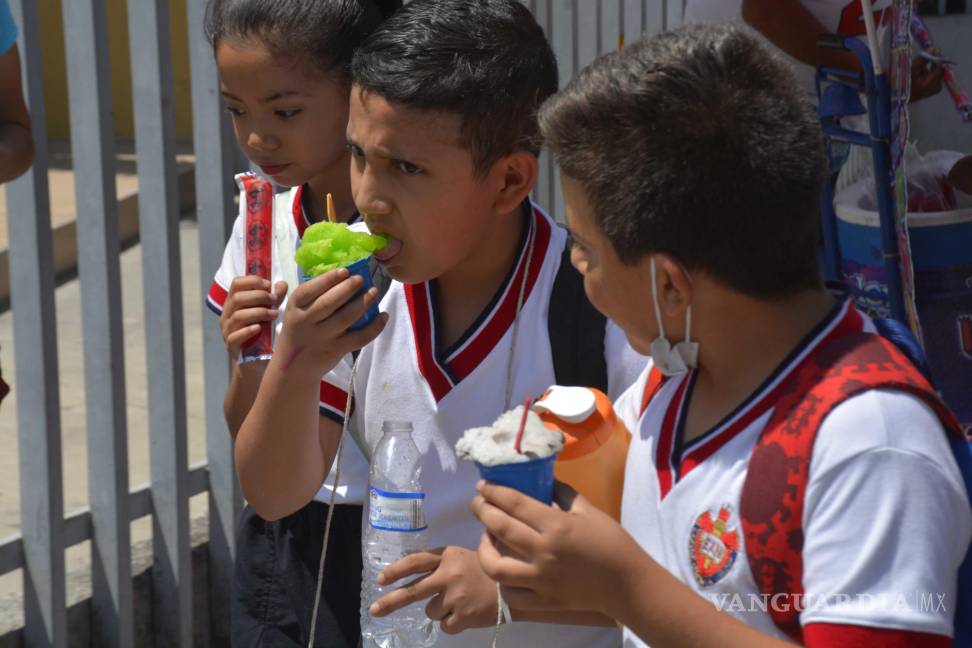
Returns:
(148, 30)
(77, 525)
(632, 20)
(610, 26)
(563, 37)
(654, 17)
(587, 33)
(35, 332)
(215, 210)
(544, 186)
(11, 553)
(674, 12)
(92, 148)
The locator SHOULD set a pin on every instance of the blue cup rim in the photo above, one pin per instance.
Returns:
(352, 267)
(356, 264)
(517, 464)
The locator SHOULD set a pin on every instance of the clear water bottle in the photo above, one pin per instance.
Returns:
(395, 528)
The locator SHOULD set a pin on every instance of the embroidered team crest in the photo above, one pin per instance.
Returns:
(713, 546)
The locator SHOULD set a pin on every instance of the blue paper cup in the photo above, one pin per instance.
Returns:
(362, 269)
(534, 478)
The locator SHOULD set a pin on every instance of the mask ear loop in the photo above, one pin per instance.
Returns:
(688, 325)
(654, 298)
(658, 318)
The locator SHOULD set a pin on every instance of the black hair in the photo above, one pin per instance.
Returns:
(698, 143)
(321, 34)
(487, 61)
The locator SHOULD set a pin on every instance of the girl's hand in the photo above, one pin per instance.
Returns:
(248, 305)
(463, 596)
(566, 557)
(926, 78)
(315, 330)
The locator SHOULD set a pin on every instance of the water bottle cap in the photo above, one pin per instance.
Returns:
(391, 427)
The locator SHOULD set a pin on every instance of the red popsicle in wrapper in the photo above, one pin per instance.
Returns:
(259, 254)
(963, 103)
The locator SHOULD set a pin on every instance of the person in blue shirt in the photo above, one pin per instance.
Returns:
(16, 143)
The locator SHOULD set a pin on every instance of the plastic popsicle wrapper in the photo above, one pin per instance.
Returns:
(923, 37)
(259, 254)
(529, 471)
(963, 103)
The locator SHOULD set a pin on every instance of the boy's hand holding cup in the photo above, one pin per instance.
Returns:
(567, 557)
(334, 310)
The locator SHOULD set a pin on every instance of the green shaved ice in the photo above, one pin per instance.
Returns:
(326, 246)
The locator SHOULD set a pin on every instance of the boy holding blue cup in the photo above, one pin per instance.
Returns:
(788, 467)
(441, 132)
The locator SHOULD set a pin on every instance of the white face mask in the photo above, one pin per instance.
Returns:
(672, 361)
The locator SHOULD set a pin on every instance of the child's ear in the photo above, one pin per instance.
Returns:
(675, 294)
(514, 174)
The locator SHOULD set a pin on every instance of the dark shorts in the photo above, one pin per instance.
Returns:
(276, 577)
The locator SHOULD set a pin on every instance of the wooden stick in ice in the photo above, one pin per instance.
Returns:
(331, 214)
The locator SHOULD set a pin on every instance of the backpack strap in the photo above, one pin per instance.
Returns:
(576, 330)
(771, 505)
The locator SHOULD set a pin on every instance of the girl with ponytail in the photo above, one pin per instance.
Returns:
(284, 76)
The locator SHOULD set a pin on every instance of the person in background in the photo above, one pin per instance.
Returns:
(793, 26)
(442, 132)
(16, 141)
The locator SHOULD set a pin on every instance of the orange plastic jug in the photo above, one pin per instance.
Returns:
(595, 443)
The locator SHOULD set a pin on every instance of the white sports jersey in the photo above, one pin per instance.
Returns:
(837, 16)
(406, 375)
(287, 208)
(882, 475)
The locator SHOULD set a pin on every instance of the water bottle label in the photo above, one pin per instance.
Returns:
(397, 511)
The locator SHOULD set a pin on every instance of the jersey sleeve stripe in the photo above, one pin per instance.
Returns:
(333, 401)
(821, 635)
(331, 414)
(216, 298)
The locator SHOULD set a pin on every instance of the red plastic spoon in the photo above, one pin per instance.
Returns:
(519, 433)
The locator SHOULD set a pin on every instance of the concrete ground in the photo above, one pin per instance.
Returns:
(71, 374)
